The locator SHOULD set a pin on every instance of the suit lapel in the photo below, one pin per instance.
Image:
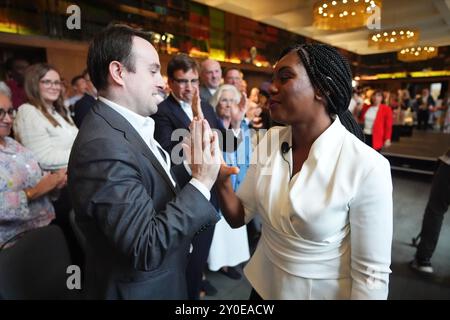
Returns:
(178, 112)
(118, 122)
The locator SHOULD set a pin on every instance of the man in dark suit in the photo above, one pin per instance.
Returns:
(424, 105)
(137, 221)
(210, 78)
(176, 112)
(87, 101)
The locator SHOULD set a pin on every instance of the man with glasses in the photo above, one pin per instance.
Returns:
(176, 112)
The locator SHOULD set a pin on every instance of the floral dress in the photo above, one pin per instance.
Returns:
(20, 170)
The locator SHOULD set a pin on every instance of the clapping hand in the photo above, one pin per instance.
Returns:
(202, 153)
(196, 105)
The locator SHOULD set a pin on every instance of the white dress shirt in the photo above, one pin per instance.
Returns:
(187, 108)
(51, 145)
(145, 127)
(326, 232)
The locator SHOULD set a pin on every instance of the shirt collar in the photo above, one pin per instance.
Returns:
(181, 102)
(145, 126)
(329, 142)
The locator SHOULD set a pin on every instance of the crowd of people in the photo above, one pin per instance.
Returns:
(318, 204)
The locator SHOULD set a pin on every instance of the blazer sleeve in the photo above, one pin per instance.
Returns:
(371, 234)
(107, 186)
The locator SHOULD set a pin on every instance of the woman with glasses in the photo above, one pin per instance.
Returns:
(24, 202)
(44, 126)
(230, 247)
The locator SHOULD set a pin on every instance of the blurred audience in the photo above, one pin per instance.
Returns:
(15, 72)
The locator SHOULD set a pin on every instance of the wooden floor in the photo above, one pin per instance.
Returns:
(426, 145)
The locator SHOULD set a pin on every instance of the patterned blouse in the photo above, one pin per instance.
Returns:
(20, 170)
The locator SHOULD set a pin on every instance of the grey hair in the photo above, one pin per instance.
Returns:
(5, 89)
(214, 101)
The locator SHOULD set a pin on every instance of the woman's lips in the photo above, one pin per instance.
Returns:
(273, 104)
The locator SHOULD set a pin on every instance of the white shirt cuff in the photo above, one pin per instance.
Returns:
(201, 187)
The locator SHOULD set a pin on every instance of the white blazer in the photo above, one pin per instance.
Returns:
(327, 232)
(51, 145)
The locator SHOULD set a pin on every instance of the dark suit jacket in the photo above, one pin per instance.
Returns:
(170, 116)
(138, 226)
(82, 107)
(205, 95)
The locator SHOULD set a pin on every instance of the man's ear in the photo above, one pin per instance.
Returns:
(116, 73)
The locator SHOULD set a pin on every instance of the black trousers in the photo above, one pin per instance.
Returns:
(437, 205)
(63, 206)
(197, 262)
(422, 119)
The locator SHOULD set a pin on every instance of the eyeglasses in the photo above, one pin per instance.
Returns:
(11, 113)
(49, 83)
(184, 82)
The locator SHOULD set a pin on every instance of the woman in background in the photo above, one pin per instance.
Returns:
(44, 126)
(24, 202)
(377, 120)
(229, 247)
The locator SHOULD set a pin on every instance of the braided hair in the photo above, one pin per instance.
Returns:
(330, 74)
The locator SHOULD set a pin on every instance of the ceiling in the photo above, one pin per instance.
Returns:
(430, 17)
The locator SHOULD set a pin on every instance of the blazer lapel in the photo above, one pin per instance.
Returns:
(120, 123)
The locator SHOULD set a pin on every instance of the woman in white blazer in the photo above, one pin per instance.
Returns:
(325, 197)
(44, 126)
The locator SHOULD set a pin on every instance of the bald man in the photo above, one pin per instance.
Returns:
(210, 77)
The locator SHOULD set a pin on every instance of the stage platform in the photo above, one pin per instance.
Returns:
(418, 152)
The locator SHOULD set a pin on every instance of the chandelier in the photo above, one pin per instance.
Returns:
(394, 39)
(417, 53)
(343, 14)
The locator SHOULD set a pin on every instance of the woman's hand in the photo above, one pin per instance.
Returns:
(47, 183)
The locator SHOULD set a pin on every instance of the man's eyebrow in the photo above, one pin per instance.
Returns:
(155, 65)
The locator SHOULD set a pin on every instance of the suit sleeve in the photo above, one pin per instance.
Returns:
(108, 187)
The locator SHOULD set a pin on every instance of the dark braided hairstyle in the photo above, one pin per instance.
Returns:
(331, 76)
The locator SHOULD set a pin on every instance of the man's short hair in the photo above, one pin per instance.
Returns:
(233, 68)
(75, 79)
(112, 44)
(181, 62)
